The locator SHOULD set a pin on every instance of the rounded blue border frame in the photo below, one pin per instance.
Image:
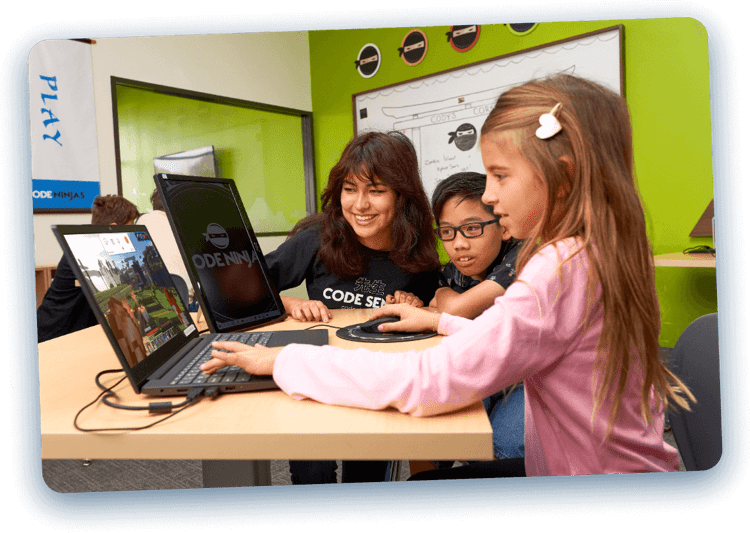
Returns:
(634, 493)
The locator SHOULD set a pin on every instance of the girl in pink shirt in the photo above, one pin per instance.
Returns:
(580, 324)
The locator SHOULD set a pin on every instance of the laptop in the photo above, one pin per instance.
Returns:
(145, 319)
(221, 252)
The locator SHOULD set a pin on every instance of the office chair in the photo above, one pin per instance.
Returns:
(695, 360)
(182, 288)
(393, 471)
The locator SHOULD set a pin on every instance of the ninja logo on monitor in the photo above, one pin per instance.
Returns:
(214, 237)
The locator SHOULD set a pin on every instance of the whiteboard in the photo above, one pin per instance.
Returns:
(443, 113)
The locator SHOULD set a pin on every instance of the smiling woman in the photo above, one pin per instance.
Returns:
(372, 240)
(372, 244)
(368, 207)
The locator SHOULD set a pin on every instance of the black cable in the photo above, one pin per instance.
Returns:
(702, 249)
(322, 326)
(153, 408)
(108, 389)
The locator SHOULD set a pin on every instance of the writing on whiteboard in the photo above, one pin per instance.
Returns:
(443, 114)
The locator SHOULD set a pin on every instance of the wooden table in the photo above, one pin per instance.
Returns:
(685, 260)
(239, 428)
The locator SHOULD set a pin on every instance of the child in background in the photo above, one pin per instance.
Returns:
(580, 326)
(482, 266)
(64, 308)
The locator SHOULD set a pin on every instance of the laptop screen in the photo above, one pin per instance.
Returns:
(133, 290)
(220, 249)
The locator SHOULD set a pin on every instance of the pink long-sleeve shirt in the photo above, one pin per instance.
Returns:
(538, 333)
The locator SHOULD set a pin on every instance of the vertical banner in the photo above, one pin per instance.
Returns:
(64, 156)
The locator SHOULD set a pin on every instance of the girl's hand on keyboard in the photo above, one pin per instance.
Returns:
(256, 359)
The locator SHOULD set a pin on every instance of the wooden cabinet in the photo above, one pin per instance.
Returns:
(44, 275)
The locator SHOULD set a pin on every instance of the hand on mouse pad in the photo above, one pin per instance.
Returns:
(410, 319)
(371, 326)
(400, 322)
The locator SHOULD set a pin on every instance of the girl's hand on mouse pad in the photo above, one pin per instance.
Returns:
(257, 359)
(413, 319)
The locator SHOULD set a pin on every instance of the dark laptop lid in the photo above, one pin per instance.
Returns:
(132, 294)
(219, 247)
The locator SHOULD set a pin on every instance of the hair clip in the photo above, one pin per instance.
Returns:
(550, 126)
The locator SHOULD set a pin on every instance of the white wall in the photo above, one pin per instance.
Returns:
(269, 68)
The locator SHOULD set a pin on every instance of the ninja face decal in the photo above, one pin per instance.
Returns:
(465, 137)
(463, 38)
(413, 48)
(523, 28)
(368, 61)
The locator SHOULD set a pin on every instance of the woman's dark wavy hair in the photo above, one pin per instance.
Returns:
(392, 158)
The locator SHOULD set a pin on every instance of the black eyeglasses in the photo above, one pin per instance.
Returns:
(470, 230)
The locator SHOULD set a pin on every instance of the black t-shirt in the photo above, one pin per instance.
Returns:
(502, 270)
(64, 308)
(296, 260)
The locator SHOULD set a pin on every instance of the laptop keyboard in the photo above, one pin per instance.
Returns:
(192, 374)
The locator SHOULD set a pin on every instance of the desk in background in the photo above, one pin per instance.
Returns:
(685, 260)
(243, 430)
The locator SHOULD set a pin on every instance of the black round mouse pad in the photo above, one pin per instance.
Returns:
(357, 334)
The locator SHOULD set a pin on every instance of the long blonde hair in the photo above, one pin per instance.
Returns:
(593, 196)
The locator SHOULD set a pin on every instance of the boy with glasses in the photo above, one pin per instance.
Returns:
(482, 266)
(482, 254)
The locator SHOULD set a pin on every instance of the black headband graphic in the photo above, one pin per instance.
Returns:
(465, 137)
(413, 48)
(368, 60)
(463, 38)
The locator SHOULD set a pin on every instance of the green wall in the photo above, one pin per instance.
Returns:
(260, 150)
(667, 87)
